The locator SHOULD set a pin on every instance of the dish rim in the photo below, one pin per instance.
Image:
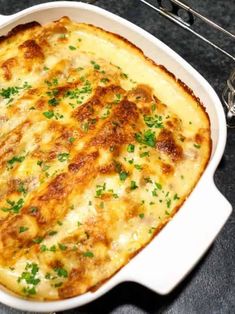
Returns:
(7, 297)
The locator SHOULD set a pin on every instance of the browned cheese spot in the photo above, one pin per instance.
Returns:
(8, 67)
(31, 50)
(167, 144)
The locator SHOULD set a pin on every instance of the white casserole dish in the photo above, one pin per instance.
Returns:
(178, 247)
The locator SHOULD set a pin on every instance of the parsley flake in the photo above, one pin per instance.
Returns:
(123, 175)
(49, 114)
(23, 229)
(88, 254)
(148, 138)
(63, 157)
(155, 121)
(15, 159)
(131, 148)
(14, 206)
(197, 146)
(61, 272)
(134, 186)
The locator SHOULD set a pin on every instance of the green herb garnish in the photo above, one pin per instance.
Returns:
(63, 157)
(133, 185)
(61, 272)
(147, 138)
(88, 254)
(14, 206)
(23, 229)
(49, 114)
(131, 148)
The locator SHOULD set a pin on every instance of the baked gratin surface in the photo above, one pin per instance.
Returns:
(99, 147)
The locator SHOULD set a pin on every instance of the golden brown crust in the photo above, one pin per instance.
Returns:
(19, 29)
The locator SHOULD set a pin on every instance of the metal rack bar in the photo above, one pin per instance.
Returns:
(172, 15)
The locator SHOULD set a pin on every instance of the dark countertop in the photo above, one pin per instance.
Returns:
(210, 287)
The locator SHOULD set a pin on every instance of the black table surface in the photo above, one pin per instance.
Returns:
(210, 287)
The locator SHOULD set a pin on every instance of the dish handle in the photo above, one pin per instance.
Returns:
(184, 240)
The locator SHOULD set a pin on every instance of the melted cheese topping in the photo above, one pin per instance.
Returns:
(99, 147)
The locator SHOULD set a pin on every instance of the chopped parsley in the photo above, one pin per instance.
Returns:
(15, 159)
(158, 186)
(147, 138)
(14, 206)
(151, 230)
(72, 48)
(88, 254)
(100, 190)
(29, 276)
(49, 114)
(154, 192)
(62, 247)
(29, 291)
(52, 233)
(118, 167)
(118, 98)
(61, 272)
(197, 146)
(22, 189)
(10, 92)
(131, 148)
(38, 240)
(168, 203)
(71, 140)
(155, 121)
(104, 80)
(144, 154)
(57, 285)
(95, 65)
(141, 216)
(124, 76)
(33, 209)
(176, 197)
(106, 112)
(53, 102)
(154, 107)
(148, 180)
(63, 157)
(123, 175)
(138, 167)
(54, 82)
(78, 93)
(44, 248)
(23, 229)
(134, 186)
(85, 126)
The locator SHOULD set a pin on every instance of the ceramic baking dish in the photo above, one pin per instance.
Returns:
(178, 247)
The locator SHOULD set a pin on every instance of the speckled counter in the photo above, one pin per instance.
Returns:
(210, 287)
